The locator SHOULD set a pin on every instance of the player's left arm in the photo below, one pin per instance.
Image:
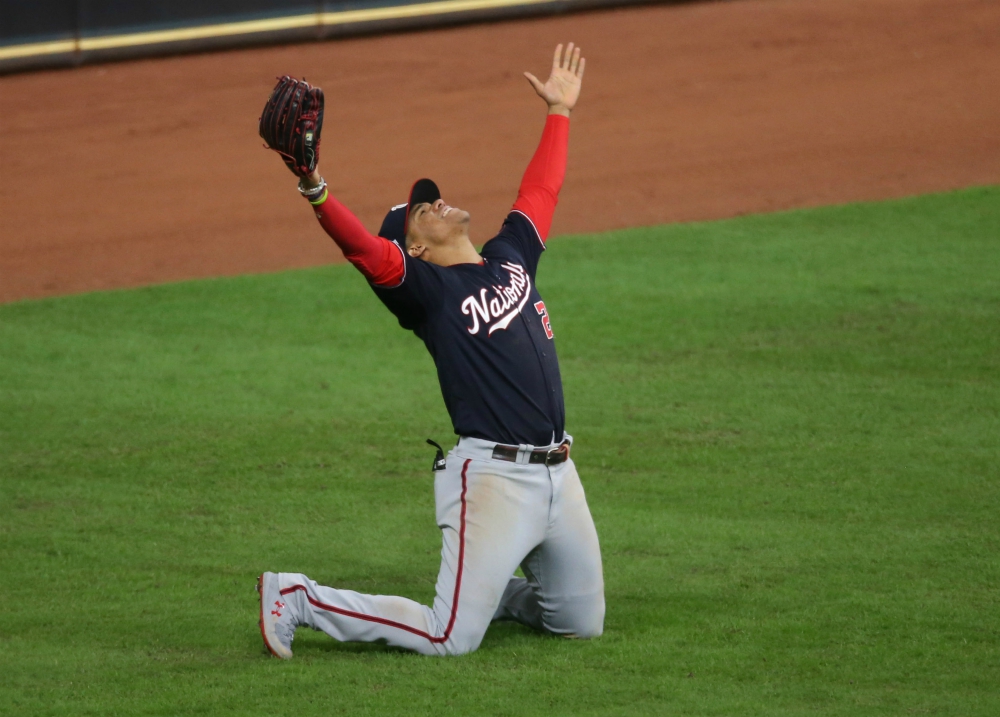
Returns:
(539, 190)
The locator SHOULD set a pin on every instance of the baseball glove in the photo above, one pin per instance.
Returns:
(291, 123)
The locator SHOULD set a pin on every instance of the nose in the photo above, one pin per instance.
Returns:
(438, 205)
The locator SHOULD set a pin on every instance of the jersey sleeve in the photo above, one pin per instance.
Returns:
(527, 226)
(410, 288)
(518, 241)
(378, 259)
(539, 190)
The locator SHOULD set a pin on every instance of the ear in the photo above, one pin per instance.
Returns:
(411, 243)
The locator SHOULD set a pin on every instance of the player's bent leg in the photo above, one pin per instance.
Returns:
(486, 528)
(579, 616)
(506, 514)
(565, 570)
(520, 603)
(350, 616)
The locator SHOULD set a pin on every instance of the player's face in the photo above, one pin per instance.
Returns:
(437, 223)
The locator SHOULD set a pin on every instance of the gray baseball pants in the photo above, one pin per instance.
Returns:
(494, 515)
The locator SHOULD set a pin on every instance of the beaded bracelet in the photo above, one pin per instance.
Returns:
(312, 192)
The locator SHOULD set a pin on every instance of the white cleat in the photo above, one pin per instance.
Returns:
(277, 624)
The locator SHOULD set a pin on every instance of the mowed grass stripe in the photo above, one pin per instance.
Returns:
(788, 427)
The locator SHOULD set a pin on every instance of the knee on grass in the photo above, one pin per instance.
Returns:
(461, 642)
(581, 618)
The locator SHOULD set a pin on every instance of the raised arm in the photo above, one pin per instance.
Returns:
(291, 124)
(539, 191)
(380, 260)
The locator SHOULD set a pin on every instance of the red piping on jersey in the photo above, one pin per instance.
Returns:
(392, 623)
(382, 262)
(537, 233)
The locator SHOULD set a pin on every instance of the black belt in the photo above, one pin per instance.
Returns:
(549, 457)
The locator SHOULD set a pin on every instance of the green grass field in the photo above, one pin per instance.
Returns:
(788, 427)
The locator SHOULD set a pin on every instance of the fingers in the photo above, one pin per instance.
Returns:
(570, 61)
(583, 63)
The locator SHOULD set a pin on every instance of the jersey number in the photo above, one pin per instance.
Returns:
(540, 308)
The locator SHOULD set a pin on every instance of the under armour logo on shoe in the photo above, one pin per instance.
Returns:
(279, 604)
(275, 612)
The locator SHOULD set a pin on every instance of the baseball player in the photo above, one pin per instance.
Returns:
(508, 494)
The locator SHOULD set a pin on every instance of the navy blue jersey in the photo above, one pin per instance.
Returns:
(488, 331)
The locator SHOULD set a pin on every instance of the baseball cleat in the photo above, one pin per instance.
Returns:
(277, 625)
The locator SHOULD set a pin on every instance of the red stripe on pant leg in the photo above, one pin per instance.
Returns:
(461, 554)
(359, 615)
(392, 623)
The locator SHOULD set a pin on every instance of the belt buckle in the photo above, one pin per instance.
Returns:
(560, 449)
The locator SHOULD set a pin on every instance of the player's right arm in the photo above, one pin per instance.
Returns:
(380, 260)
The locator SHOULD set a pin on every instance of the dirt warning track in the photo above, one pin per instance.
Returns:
(149, 171)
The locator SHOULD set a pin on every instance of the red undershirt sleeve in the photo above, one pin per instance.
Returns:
(380, 260)
(543, 178)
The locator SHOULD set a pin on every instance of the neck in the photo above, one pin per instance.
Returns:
(460, 251)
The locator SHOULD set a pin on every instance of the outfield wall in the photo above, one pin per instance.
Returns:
(51, 33)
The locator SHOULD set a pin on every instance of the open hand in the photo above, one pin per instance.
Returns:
(562, 89)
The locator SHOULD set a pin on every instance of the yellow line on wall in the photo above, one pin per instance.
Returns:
(202, 32)
(37, 48)
(430, 8)
(250, 27)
